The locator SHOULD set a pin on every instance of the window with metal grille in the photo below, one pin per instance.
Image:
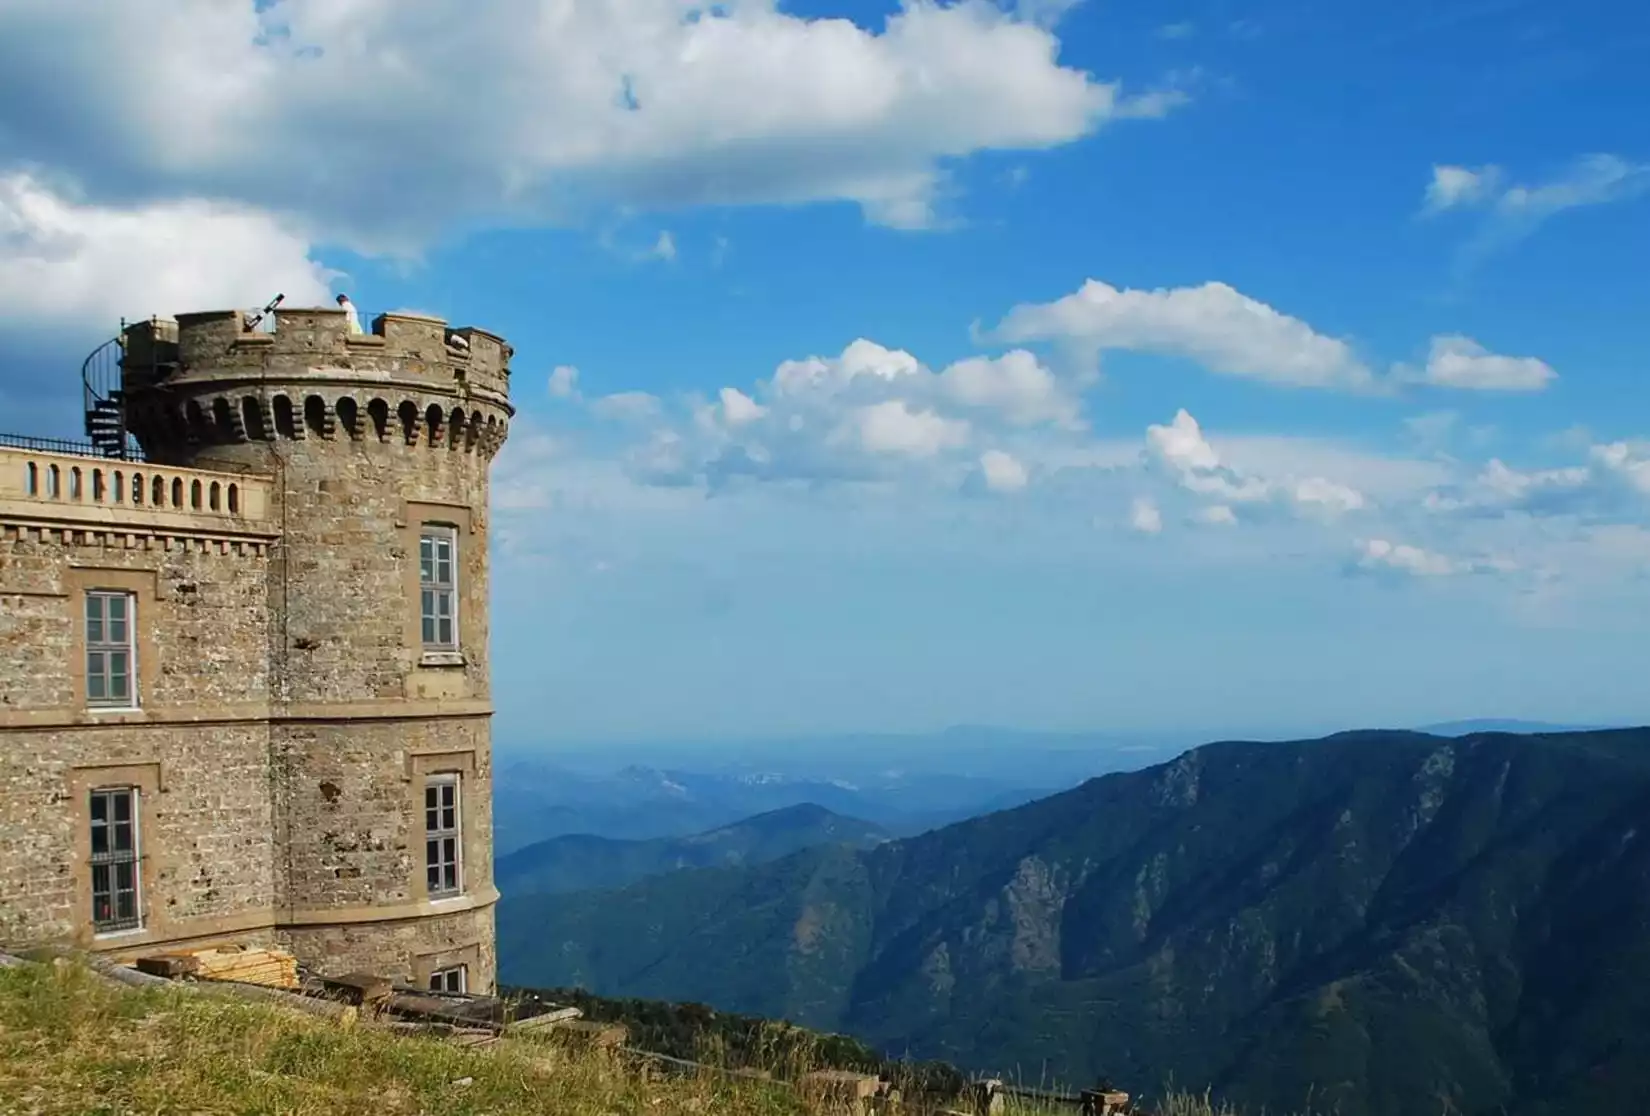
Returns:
(111, 681)
(437, 583)
(115, 860)
(455, 979)
(443, 871)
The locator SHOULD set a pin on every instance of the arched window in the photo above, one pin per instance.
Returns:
(177, 492)
(408, 413)
(379, 412)
(234, 499)
(212, 496)
(252, 418)
(195, 495)
(315, 415)
(285, 424)
(348, 416)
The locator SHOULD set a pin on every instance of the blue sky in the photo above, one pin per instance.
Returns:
(1241, 367)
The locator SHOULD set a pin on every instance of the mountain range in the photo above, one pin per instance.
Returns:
(1375, 923)
(536, 800)
(581, 861)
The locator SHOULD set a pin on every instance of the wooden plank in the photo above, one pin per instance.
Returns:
(542, 1022)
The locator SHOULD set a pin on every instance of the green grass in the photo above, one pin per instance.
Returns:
(71, 1042)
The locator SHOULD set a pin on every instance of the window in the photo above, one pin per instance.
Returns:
(438, 606)
(455, 979)
(443, 874)
(114, 860)
(110, 655)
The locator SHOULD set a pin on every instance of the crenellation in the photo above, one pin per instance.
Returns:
(271, 547)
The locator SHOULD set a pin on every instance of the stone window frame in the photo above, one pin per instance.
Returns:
(452, 978)
(466, 957)
(104, 599)
(421, 766)
(144, 777)
(414, 517)
(113, 858)
(439, 781)
(436, 535)
(144, 587)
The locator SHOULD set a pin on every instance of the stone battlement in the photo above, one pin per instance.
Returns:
(205, 379)
(411, 349)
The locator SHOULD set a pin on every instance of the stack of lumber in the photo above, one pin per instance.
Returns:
(271, 968)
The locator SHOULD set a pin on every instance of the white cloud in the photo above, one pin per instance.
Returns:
(1512, 212)
(1459, 362)
(381, 124)
(1614, 483)
(1385, 557)
(895, 427)
(1182, 30)
(1003, 472)
(1456, 187)
(866, 414)
(1180, 450)
(68, 265)
(1213, 324)
(564, 382)
(1145, 517)
(1215, 515)
(739, 408)
(1015, 385)
(665, 247)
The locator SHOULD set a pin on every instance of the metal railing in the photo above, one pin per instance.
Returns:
(74, 447)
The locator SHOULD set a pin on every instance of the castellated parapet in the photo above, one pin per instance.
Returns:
(303, 560)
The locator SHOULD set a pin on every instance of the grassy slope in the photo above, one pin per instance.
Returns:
(72, 1043)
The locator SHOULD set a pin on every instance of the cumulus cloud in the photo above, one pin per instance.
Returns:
(862, 415)
(1180, 450)
(69, 265)
(1227, 332)
(1380, 556)
(1215, 515)
(381, 125)
(564, 382)
(1145, 517)
(1454, 361)
(1613, 483)
(1003, 472)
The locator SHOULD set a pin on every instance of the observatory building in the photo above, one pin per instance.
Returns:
(243, 648)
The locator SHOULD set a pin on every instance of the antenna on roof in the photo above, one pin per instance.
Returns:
(252, 320)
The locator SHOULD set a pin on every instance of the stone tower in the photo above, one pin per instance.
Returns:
(379, 446)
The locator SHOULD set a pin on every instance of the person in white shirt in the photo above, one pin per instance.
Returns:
(350, 316)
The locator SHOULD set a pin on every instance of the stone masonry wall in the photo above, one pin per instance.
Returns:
(406, 950)
(206, 830)
(207, 835)
(352, 797)
(204, 620)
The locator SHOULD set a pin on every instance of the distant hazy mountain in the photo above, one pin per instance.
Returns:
(1374, 924)
(535, 801)
(905, 784)
(1467, 728)
(577, 861)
